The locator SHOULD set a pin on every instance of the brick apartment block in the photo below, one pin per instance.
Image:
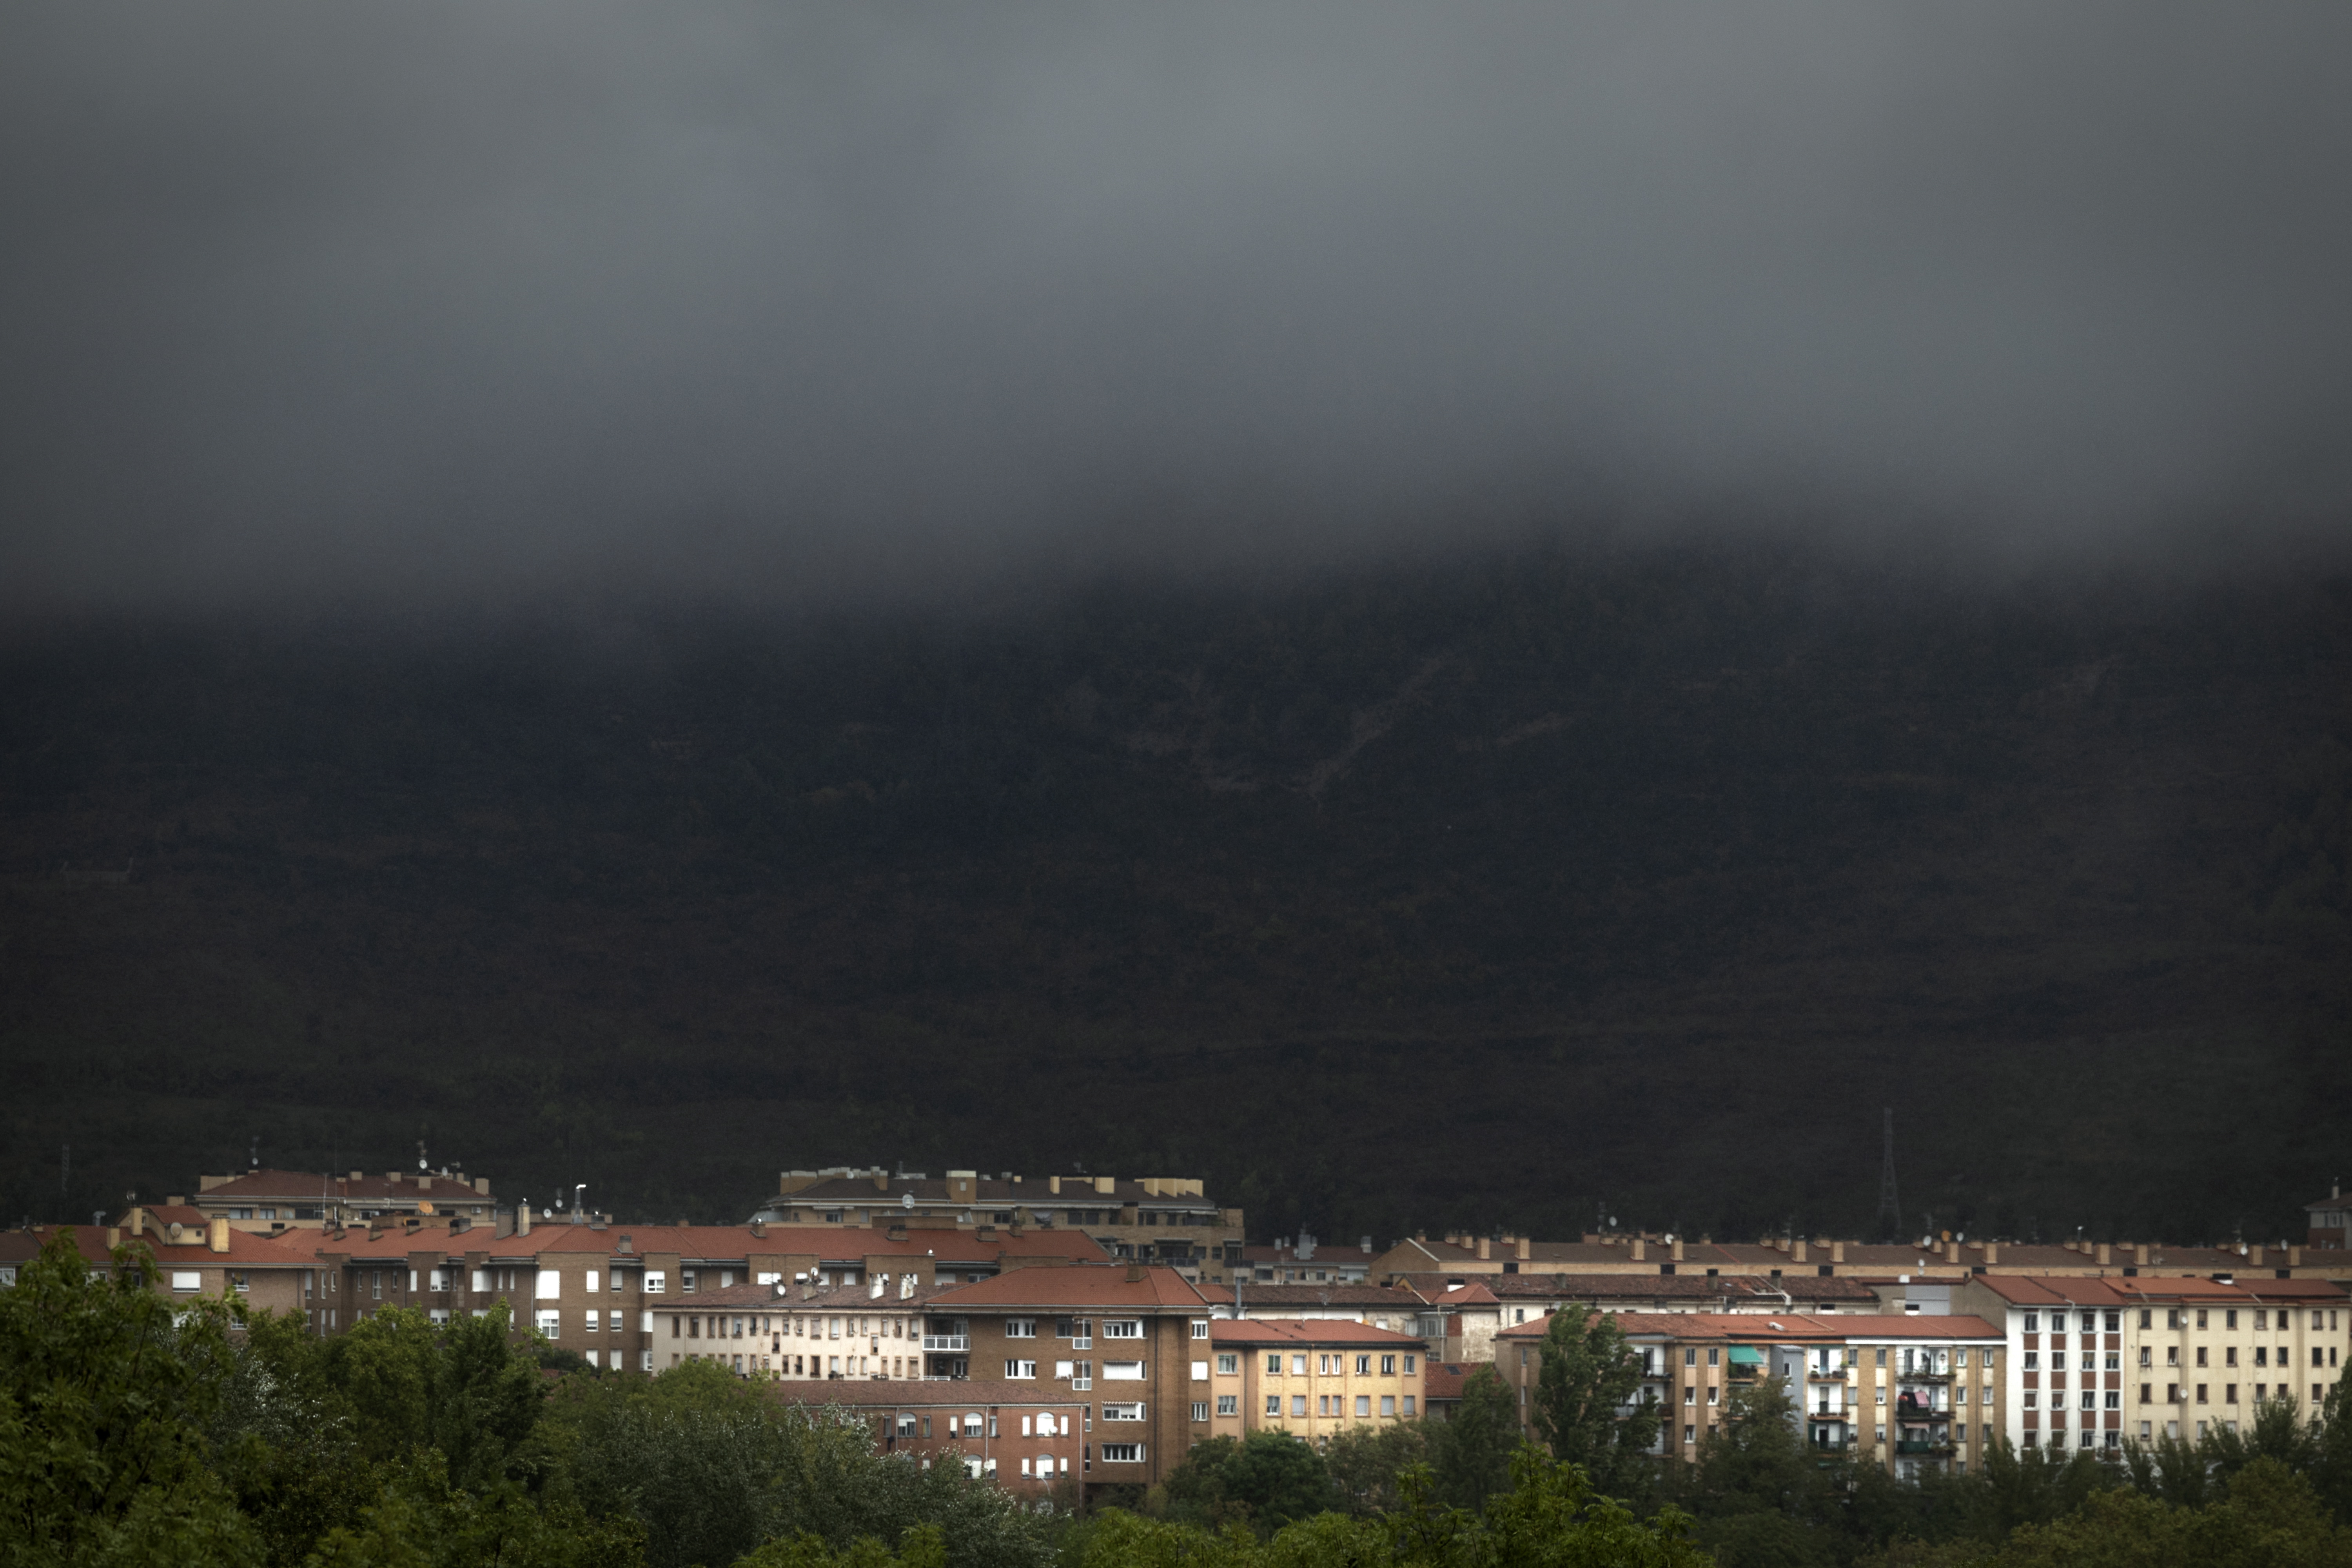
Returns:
(1150, 1219)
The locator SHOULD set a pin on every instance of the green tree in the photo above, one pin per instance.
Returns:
(106, 1392)
(1759, 1492)
(1278, 1477)
(1365, 1462)
(1471, 1450)
(1585, 1409)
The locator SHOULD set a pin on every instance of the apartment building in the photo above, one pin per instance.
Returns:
(1382, 1306)
(270, 1201)
(1024, 1438)
(1310, 1377)
(1303, 1260)
(1154, 1219)
(195, 1256)
(1908, 1390)
(1782, 1260)
(2329, 1220)
(2095, 1363)
(1134, 1339)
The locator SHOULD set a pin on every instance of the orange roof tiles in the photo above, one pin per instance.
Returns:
(1303, 1332)
(1079, 1284)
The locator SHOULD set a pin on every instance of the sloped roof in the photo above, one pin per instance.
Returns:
(1304, 1331)
(1081, 1285)
(312, 1186)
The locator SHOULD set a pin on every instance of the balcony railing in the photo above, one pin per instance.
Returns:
(947, 1342)
(1825, 1375)
(1923, 1377)
(1924, 1446)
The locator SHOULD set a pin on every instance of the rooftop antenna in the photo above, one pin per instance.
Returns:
(253, 1153)
(1890, 1204)
(420, 1155)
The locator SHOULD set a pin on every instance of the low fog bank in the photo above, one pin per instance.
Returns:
(426, 302)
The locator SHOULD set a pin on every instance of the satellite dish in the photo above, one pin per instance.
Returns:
(906, 1200)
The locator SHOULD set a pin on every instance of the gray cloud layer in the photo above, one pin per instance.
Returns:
(788, 298)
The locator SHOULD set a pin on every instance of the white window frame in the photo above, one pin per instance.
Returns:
(1123, 1371)
(548, 1287)
(1122, 1328)
(550, 1322)
(1120, 1453)
(1020, 1328)
(1020, 1371)
(1229, 1364)
(1130, 1410)
(656, 1281)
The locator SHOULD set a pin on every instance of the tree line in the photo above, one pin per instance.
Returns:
(136, 1429)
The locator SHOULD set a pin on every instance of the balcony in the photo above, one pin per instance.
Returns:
(1826, 1414)
(1924, 1446)
(947, 1342)
(1928, 1378)
(1826, 1374)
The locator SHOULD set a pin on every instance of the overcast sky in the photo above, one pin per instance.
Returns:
(775, 299)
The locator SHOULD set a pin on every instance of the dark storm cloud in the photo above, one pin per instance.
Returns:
(782, 299)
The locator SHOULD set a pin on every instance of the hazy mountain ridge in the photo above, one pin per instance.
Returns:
(1412, 898)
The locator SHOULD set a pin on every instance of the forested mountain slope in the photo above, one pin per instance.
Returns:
(1476, 895)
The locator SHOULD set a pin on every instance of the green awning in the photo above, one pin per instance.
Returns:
(1746, 1355)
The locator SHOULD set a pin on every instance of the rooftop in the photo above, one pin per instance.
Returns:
(1081, 1285)
(1784, 1327)
(1304, 1331)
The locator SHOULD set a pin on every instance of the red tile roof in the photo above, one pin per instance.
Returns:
(1079, 1284)
(1442, 1380)
(1302, 1332)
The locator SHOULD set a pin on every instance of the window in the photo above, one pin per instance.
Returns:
(1299, 1404)
(654, 1282)
(187, 1280)
(1298, 1366)
(1387, 1366)
(549, 1287)
(1690, 1357)
(1200, 1328)
(1690, 1394)
(1123, 1453)
(1229, 1364)
(1363, 1366)
(2032, 1361)
(1123, 1371)
(1020, 1328)
(2200, 1393)
(1408, 1402)
(1714, 1356)
(1128, 1412)
(2229, 1394)
(1020, 1369)
(1200, 1372)
(1273, 1403)
(2200, 1317)
(1690, 1434)
(1273, 1364)
(1123, 1329)
(591, 1316)
(1199, 1410)
(550, 1323)
(1882, 1354)
(1408, 1365)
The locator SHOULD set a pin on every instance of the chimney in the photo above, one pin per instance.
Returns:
(2254, 1254)
(136, 1220)
(1952, 1252)
(522, 1217)
(2295, 1258)
(1837, 1252)
(758, 1230)
(425, 1182)
(113, 1236)
(393, 1176)
(1797, 1252)
(1105, 1187)
(1525, 1249)
(2139, 1255)
(1640, 1249)
(881, 1180)
(1678, 1250)
(1134, 1273)
(217, 1236)
(2107, 1254)
(482, 1185)
(1486, 1249)
(1054, 1185)
(1992, 1253)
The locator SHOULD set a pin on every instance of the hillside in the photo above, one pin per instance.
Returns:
(1417, 898)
